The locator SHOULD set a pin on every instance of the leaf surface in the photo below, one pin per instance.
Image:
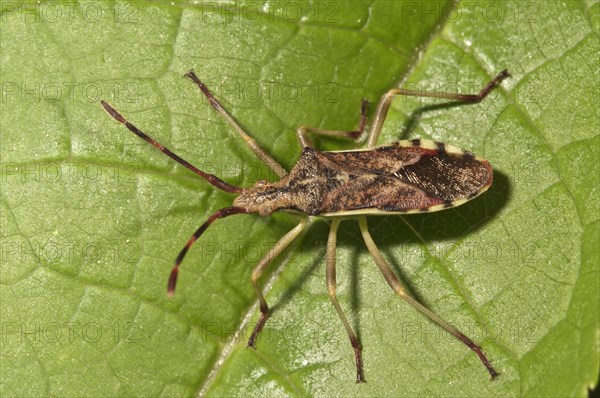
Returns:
(93, 218)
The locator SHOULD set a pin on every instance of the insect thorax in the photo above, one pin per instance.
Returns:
(302, 189)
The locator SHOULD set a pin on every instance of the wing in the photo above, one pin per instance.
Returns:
(409, 176)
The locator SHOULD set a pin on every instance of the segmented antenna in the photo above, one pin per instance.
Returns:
(227, 211)
(214, 180)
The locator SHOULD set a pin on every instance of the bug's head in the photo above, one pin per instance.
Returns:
(263, 198)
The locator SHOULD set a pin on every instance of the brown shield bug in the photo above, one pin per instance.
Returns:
(404, 177)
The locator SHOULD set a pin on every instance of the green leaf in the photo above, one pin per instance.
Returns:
(93, 218)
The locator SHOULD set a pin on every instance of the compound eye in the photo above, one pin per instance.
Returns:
(265, 211)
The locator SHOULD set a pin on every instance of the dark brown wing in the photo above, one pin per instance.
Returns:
(448, 177)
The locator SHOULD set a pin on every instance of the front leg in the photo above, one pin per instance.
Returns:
(260, 268)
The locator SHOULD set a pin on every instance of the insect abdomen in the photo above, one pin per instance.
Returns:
(427, 176)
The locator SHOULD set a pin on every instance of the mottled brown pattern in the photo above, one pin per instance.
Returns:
(381, 160)
(379, 192)
(389, 178)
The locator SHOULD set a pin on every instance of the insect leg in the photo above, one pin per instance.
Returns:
(302, 131)
(396, 285)
(331, 288)
(386, 100)
(260, 268)
(262, 155)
